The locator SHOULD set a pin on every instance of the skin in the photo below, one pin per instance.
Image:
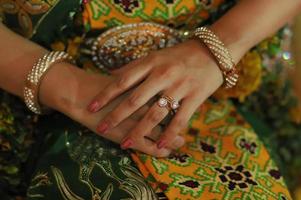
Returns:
(187, 72)
(68, 89)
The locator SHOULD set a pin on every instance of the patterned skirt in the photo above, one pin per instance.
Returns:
(223, 158)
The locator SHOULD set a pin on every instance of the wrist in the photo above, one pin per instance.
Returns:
(197, 46)
(68, 89)
(234, 41)
(60, 86)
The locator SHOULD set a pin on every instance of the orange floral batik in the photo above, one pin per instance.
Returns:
(222, 159)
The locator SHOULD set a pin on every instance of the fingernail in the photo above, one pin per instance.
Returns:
(127, 143)
(103, 127)
(161, 144)
(94, 106)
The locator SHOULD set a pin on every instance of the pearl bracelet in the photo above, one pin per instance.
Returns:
(221, 54)
(35, 76)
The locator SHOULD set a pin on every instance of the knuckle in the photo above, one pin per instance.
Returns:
(103, 97)
(164, 73)
(176, 65)
(181, 64)
(150, 151)
(123, 82)
(198, 95)
(177, 142)
(161, 154)
(133, 135)
(170, 69)
(153, 57)
(183, 83)
(113, 119)
(154, 117)
(179, 124)
(189, 80)
(134, 100)
(100, 97)
(158, 76)
(170, 134)
(156, 153)
(196, 84)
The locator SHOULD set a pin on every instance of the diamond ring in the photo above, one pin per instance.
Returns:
(168, 102)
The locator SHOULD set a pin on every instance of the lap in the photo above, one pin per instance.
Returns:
(222, 159)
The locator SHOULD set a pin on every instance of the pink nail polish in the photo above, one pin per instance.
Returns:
(161, 144)
(93, 107)
(127, 143)
(103, 127)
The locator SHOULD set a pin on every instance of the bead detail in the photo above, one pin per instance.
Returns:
(39, 69)
(162, 102)
(221, 53)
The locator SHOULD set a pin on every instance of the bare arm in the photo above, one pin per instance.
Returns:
(251, 21)
(65, 88)
(17, 58)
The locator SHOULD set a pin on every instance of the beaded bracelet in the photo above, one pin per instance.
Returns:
(35, 76)
(221, 54)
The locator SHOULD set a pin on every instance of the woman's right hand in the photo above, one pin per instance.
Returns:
(69, 90)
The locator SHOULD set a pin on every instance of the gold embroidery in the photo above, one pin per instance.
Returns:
(24, 10)
(63, 186)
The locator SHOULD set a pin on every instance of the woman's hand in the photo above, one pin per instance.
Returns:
(185, 72)
(69, 89)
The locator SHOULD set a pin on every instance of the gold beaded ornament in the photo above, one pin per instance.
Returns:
(221, 54)
(35, 76)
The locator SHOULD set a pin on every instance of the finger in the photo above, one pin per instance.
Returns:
(127, 67)
(155, 115)
(177, 143)
(137, 99)
(179, 122)
(150, 147)
(140, 113)
(124, 82)
(154, 136)
(146, 146)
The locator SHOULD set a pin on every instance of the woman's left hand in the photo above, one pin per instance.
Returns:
(186, 72)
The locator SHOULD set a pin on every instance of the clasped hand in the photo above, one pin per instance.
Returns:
(186, 72)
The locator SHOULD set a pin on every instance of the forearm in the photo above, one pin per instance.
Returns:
(18, 55)
(251, 21)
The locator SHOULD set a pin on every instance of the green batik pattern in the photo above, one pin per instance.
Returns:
(84, 166)
(176, 13)
(60, 172)
(41, 20)
(26, 15)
